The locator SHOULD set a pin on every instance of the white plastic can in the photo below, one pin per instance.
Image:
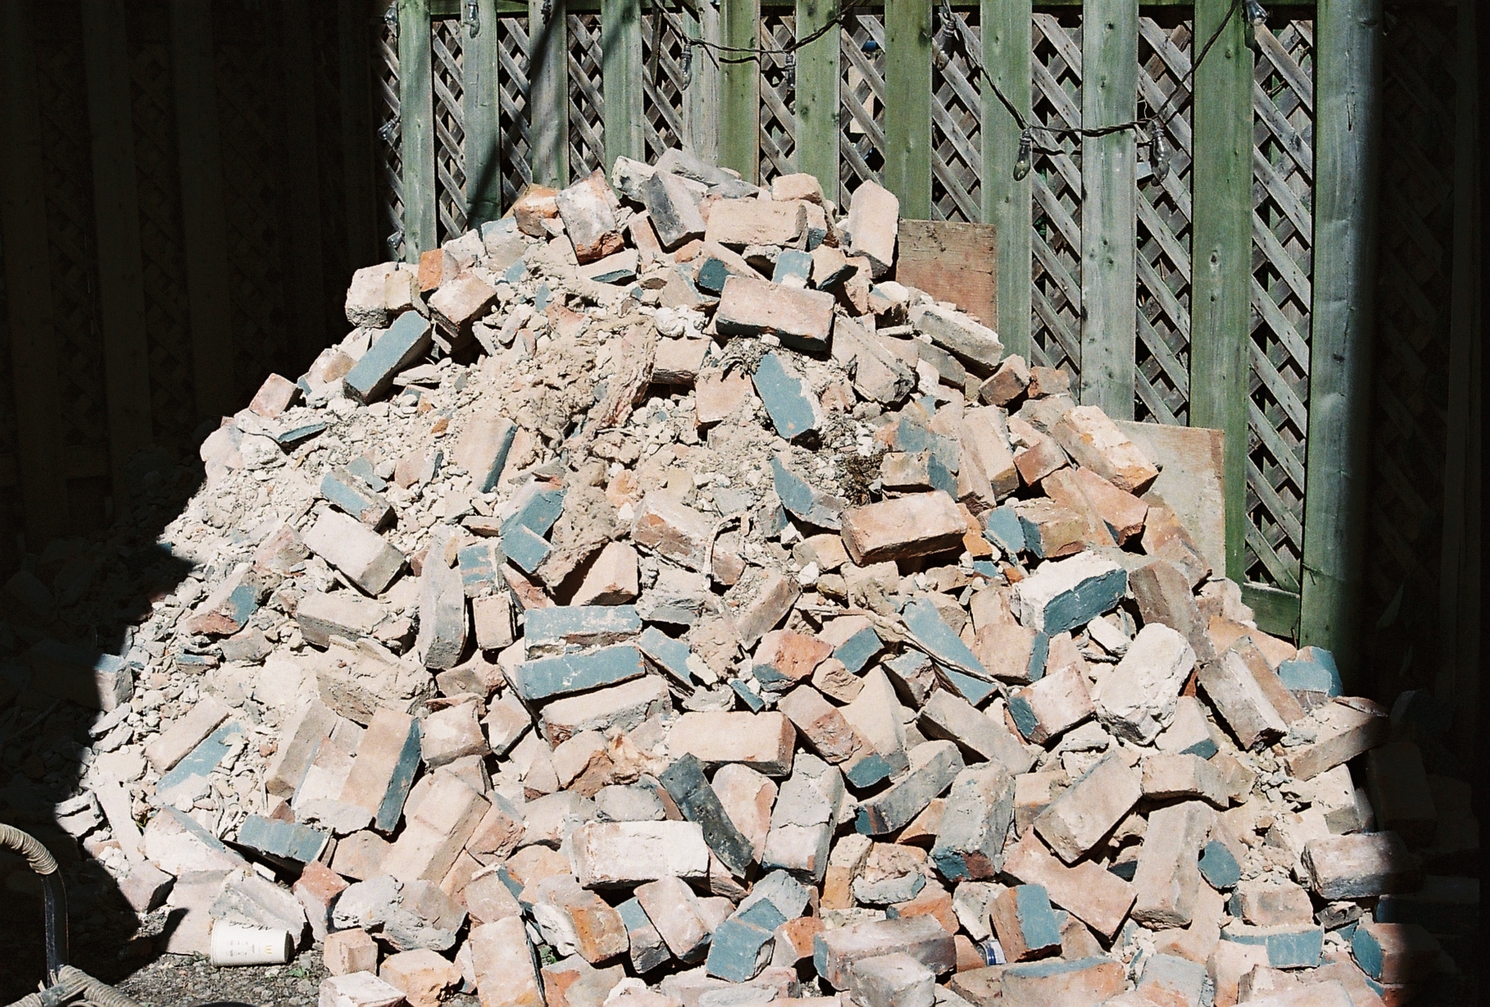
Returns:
(236, 944)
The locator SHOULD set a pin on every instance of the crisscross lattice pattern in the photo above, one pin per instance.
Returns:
(390, 163)
(450, 128)
(1410, 373)
(1282, 243)
(1055, 292)
(862, 102)
(778, 98)
(586, 103)
(663, 96)
(956, 117)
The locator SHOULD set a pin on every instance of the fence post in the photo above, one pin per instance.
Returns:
(1347, 120)
(481, 101)
(907, 170)
(121, 278)
(1459, 598)
(362, 210)
(701, 110)
(203, 219)
(621, 78)
(740, 87)
(306, 280)
(1221, 256)
(416, 125)
(818, 79)
(1006, 202)
(28, 284)
(1109, 281)
(548, 91)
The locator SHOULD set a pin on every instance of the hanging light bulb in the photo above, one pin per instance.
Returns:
(1159, 154)
(791, 69)
(1255, 17)
(390, 18)
(948, 26)
(687, 66)
(1023, 160)
(472, 20)
(548, 11)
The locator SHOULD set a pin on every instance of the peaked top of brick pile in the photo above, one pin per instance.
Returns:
(649, 576)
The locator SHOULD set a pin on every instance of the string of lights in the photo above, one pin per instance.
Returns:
(951, 31)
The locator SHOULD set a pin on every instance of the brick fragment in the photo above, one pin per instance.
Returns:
(736, 223)
(1051, 706)
(902, 528)
(762, 741)
(588, 209)
(367, 559)
(1087, 435)
(459, 303)
(1400, 795)
(421, 975)
(1233, 691)
(673, 207)
(348, 951)
(609, 854)
(358, 989)
(1344, 729)
(1138, 698)
(1167, 881)
(691, 791)
(1086, 812)
(1360, 866)
(1183, 775)
(1395, 953)
(872, 225)
(830, 735)
(892, 980)
(343, 614)
(800, 318)
(836, 951)
(793, 409)
(622, 707)
(674, 530)
(933, 767)
(979, 809)
(503, 964)
(954, 719)
(1064, 594)
(436, 831)
(1286, 947)
(442, 616)
(483, 448)
(404, 342)
(960, 334)
(1085, 982)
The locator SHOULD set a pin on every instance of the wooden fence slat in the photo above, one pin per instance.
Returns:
(818, 82)
(621, 79)
(203, 218)
(1109, 281)
(359, 191)
(481, 100)
(1007, 49)
(548, 91)
(701, 103)
(28, 283)
(416, 118)
(1458, 605)
(1221, 256)
(121, 289)
(907, 171)
(1347, 74)
(739, 115)
(306, 294)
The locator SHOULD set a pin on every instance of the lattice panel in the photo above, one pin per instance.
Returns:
(390, 137)
(862, 102)
(663, 91)
(167, 312)
(778, 139)
(513, 82)
(586, 103)
(1162, 358)
(956, 117)
(69, 197)
(1282, 243)
(250, 105)
(450, 128)
(1055, 293)
(1413, 297)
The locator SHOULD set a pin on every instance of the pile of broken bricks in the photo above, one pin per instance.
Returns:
(652, 603)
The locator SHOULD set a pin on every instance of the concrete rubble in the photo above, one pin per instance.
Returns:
(652, 601)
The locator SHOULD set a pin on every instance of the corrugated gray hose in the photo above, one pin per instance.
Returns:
(64, 981)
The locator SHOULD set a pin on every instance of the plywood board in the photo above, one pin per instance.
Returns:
(951, 261)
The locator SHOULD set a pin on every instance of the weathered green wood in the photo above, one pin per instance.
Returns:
(701, 111)
(1006, 202)
(1221, 256)
(481, 101)
(358, 190)
(1274, 610)
(306, 280)
(204, 223)
(621, 76)
(1109, 82)
(28, 283)
(907, 170)
(818, 80)
(548, 91)
(1347, 120)
(121, 281)
(1459, 567)
(452, 8)
(739, 88)
(416, 123)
